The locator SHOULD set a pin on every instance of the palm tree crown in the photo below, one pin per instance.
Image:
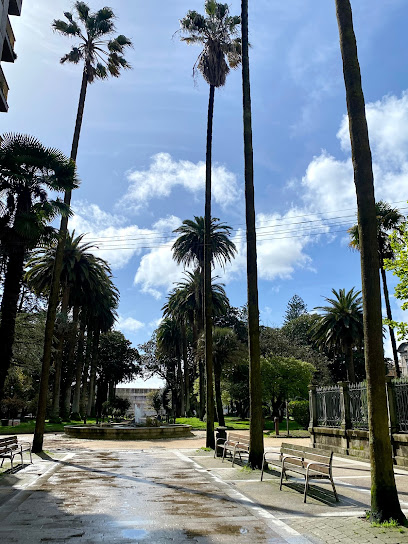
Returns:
(217, 32)
(102, 56)
(189, 247)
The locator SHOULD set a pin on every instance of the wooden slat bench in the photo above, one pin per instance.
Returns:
(235, 443)
(10, 447)
(309, 462)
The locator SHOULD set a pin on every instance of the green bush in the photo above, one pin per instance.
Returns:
(299, 410)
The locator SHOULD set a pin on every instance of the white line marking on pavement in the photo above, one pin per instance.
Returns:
(282, 529)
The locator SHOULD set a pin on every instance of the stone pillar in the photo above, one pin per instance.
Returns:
(313, 413)
(345, 422)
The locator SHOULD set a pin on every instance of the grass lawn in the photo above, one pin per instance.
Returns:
(243, 424)
(28, 428)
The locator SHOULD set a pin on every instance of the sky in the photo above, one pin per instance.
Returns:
(141, 158)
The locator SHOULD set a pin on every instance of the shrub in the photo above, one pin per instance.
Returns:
(299, 410)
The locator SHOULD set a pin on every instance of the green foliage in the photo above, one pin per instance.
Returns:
(296, 307)
(399, 267)
(155, 400)
(117, 359)
(285, 378)
(299, 410)
(116, 407)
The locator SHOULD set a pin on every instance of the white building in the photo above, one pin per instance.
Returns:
(138, 397)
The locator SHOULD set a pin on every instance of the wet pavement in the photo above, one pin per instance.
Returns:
(98, 491)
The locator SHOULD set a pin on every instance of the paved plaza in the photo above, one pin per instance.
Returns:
(173, 491)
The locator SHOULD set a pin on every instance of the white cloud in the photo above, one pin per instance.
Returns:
(128, 324)
(164, 174)
(328, 182)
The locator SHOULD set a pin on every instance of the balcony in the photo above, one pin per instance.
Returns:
(15, 7)
(4, 88)
(9, 41)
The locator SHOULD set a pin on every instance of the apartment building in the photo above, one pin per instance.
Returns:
(7, 41)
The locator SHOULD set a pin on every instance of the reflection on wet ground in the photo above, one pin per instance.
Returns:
(131, 496)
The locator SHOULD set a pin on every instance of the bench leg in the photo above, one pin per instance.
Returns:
(2, 461)
(223, 454)
(233, 457)
(263, 465)
(281, 478)
(334, 489)
(31, 458)
(306, 486)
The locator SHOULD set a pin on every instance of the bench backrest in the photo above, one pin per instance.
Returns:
(236, 437)
(8, 443)
(307, 453)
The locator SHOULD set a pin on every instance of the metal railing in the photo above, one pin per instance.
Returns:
(401, 401)
(328, 406)
(358, 405)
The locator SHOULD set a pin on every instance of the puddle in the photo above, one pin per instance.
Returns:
(134, 534)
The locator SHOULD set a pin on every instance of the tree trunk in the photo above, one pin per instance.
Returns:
(186, 373)
(208, 320)
(9, 302)
(389, 316)
(72, 341)
(55, 285)
(84, 387)
(79, 367)
(218, 399)
(180, 388)
(384, 497)
(92, 374)
(55, 409)
(348, 355)
(256, 447)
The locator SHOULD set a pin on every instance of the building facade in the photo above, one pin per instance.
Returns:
(7, 42)
(138, 397)
(403, 353)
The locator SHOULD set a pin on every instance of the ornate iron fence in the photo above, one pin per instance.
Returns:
(358, 405)
(328, 406)
(401, 401)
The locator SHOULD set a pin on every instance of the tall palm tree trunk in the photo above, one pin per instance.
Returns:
(54, 291)
(384, 497)
(256, 447)
(79, 367)
(9, 302)
(389, 316)
(55, 409)
(180, 382)
(92, 374)
(210, 439)
(218, 399)
(72, 341)
(84, 385)
(186, 372)
(348, 355)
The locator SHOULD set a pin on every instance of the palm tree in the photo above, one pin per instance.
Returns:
(216, 32)
(80, 273)
(388, 219)
(188, 249)
(256, 448)
(384, 497)
(101, 56)
(169, 344)
(27, 171)
(341, 326)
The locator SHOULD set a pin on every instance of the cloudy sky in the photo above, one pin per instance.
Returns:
(142, 149)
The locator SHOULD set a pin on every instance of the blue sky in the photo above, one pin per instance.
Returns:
(142, 148)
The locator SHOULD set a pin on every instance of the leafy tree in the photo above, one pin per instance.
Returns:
(216, 33)
(256, 448)
(101, 56)
(296, 307)
(27, 171)
(384, 497)
(155, 400)
(399, 266)
(284, 378)
(388, 219)
(341, 326)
